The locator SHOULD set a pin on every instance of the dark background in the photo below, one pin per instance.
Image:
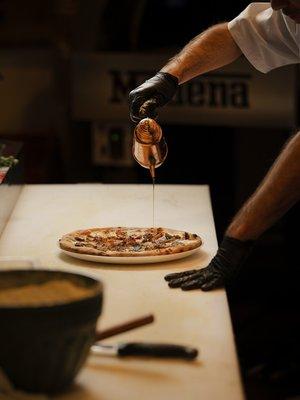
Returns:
(264, 300)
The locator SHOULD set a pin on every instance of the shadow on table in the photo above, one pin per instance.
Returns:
(77, 391)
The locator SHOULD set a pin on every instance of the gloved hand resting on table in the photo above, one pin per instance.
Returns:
(155, 92)
(222, 269)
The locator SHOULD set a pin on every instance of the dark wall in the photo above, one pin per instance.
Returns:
(159, 24)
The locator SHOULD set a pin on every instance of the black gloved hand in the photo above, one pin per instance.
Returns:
(222, 269)
(155, 92)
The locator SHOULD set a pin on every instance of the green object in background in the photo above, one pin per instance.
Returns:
(8, 161)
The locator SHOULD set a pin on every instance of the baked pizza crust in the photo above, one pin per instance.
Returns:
(70, 242)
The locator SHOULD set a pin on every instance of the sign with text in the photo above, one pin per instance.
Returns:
(236, 95)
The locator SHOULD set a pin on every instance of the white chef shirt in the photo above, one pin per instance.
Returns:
(269, 39)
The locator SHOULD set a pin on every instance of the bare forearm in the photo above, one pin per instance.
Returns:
(278, 192)
(210, 50)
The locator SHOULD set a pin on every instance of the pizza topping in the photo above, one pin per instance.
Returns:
(137, 247)
(120, 240)
(79, 244)
(120, 232)
(147, 237)
(107, 241)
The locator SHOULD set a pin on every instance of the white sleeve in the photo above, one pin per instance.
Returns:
(268, 38)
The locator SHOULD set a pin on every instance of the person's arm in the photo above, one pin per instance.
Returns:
(278, 192)
(210, 50)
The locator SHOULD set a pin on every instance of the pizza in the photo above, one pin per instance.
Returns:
(129, 242)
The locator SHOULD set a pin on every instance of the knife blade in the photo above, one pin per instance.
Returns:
(140, 349)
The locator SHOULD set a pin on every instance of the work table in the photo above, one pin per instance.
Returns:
(44, 213)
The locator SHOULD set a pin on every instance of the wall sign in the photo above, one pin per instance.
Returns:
(237, 95)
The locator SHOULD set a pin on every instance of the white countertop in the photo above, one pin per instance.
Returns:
(45, 212)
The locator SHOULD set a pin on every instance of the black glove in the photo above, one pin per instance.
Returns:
(155, 92)
(222, 269)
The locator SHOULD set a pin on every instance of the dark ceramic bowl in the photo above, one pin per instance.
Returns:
(43, 347)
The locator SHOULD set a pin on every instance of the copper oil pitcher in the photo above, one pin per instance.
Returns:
(149, 146)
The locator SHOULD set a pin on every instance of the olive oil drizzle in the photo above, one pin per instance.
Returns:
(153, 201)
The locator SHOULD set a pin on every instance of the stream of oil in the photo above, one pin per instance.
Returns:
(153, 201)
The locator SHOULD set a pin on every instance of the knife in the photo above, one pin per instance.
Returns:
(146, 350)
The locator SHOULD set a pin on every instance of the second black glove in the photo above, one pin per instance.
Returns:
(222, 269)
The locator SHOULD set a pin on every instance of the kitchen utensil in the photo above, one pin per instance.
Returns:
(124, 327)
(140, 349)
(149, 146)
